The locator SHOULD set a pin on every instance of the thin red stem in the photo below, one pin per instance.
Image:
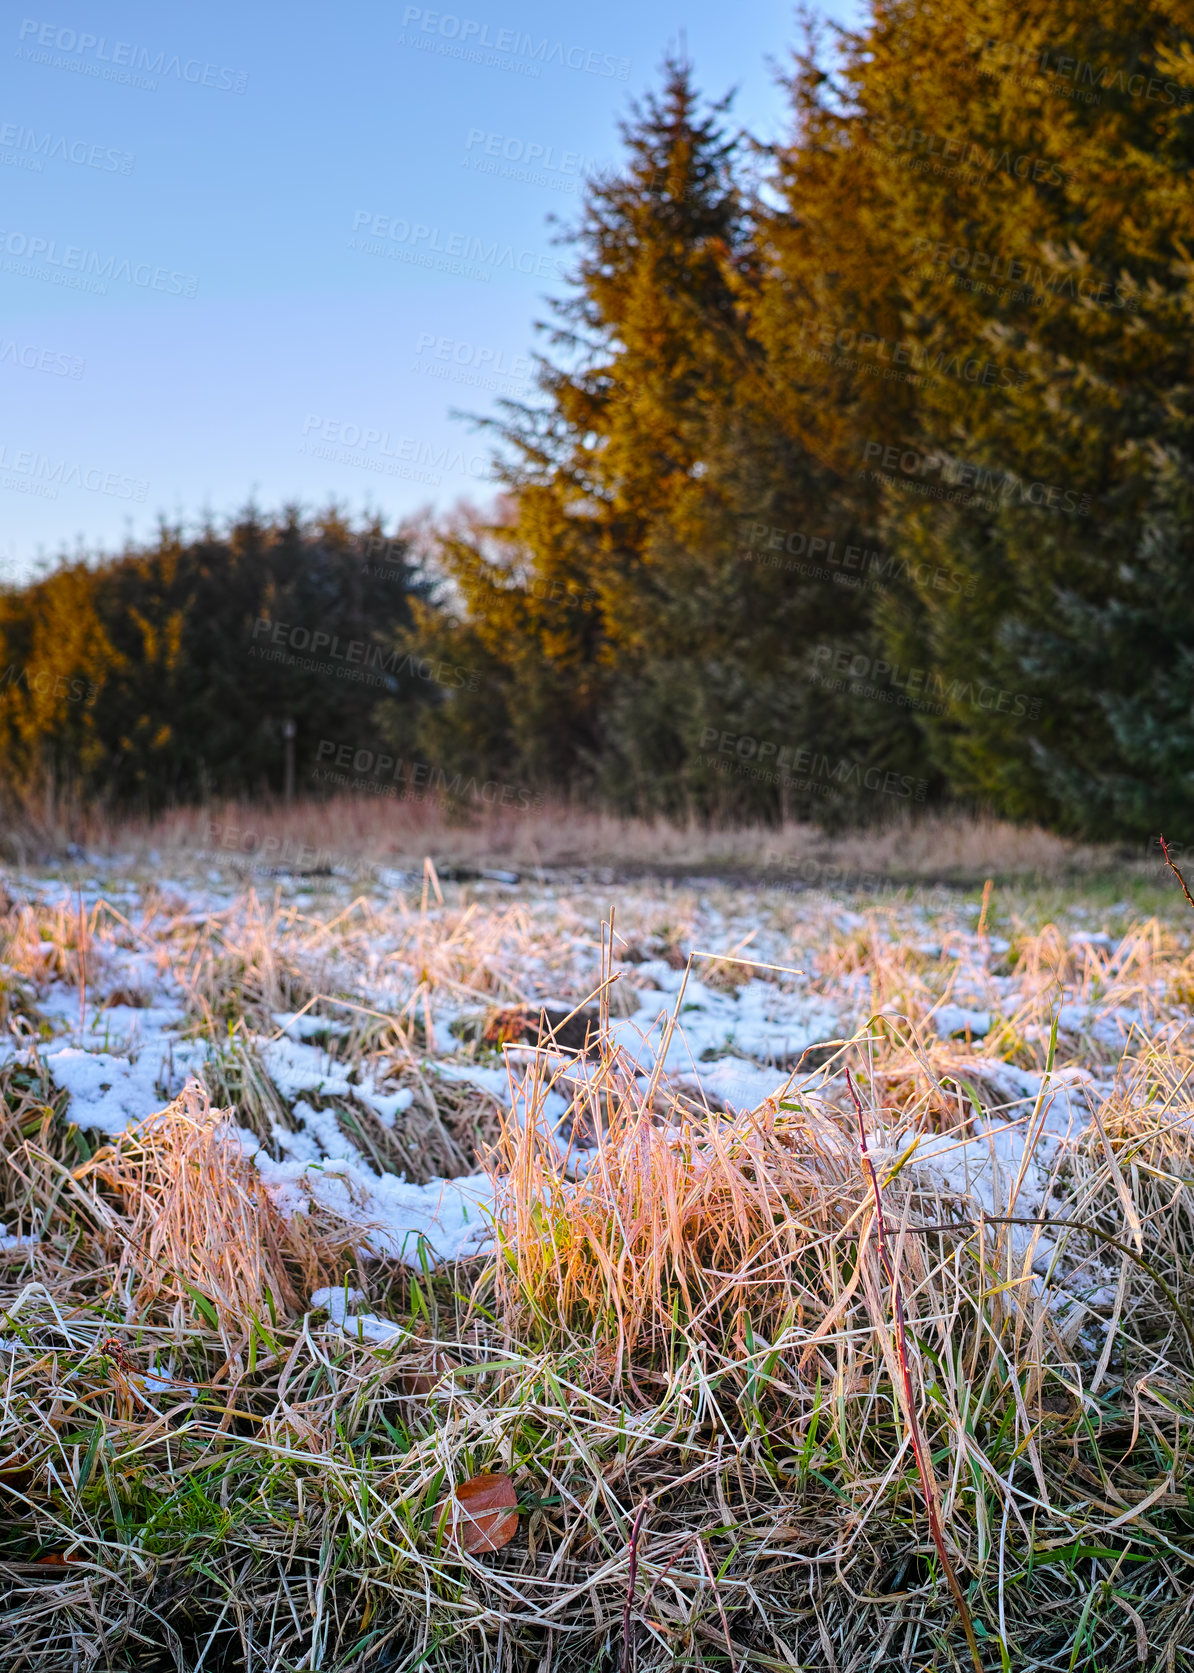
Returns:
(919, 1450)
(625, 1663)
(1175, 871)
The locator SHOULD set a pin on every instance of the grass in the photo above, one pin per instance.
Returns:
(363, 832)
(686, 1348)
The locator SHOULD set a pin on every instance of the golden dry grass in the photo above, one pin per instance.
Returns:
(742, 1389)
(187, 1215)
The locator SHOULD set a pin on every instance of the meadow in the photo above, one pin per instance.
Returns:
(565, 1244)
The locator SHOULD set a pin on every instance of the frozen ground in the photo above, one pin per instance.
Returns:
(298, 979)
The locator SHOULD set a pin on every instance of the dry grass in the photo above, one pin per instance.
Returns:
(683, 1349)
(677, 1235)
(1101, 996)
(275, 1506)
(360, 832)
(188, 1218)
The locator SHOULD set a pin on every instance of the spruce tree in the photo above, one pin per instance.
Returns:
(671, 553)
(1020, 196)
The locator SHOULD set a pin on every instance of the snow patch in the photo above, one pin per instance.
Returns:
(358, 1327)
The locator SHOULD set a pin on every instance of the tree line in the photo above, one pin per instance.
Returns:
(858, 477)
(181, 669)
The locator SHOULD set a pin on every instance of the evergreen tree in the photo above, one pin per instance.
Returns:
(1020, 196)
(656, 585)
(878, 478)
(170, 672)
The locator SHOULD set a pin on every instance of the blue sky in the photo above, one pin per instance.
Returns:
(265, 251)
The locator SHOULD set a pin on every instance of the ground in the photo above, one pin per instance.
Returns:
(822, 1287)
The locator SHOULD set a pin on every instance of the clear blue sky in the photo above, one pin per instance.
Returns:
(186, 321)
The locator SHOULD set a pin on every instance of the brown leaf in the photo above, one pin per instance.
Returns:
(419, 1384)
(483, 1513)
(16, 1476)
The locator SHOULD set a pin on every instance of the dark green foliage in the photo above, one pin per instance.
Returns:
(628, 618)
(1036, 275)
(167, 674)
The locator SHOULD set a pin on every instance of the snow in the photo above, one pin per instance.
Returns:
(1044, 1114)
(760, 1020)
(489, 1079)
(158, 1380)
(519, 1089)
(358, 1327)
(302, 1024)
(294, 1068)
(1092, 938)
(738, 1084)
(387, 1106)
(109, 1092)
(951, 1020)
(735, 1048)
(447, 1215)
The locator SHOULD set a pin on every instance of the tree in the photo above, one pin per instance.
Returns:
(1020, 198)
(630, 605)
(167, 673)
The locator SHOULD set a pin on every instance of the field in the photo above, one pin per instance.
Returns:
(796, 1236)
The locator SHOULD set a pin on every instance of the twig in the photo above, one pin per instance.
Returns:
(624, 1665)
(607, 964)
(919, 1450)
(1174, 870)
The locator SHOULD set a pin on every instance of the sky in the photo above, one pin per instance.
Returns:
(267, 253)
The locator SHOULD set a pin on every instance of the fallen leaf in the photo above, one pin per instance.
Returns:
(483, 1512)
(15, 1476)
(420, 1383)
